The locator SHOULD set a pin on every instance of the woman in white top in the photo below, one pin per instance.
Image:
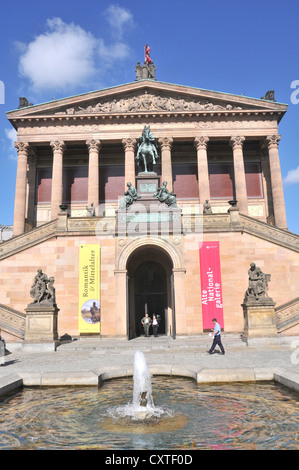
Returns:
(155, 325)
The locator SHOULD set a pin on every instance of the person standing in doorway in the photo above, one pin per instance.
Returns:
(146, 322)
(155, 325)
(217, 338)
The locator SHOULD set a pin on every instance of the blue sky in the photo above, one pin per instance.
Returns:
(62, 48)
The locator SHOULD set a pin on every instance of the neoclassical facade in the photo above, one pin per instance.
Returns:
(79, 152)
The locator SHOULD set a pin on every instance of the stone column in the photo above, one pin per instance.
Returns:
(166, 144)
(129, 146)
(239, 172)
(93, 172)
(57, 175)
(276, 182)
(201, 144)
(21, 186)
(31, 188)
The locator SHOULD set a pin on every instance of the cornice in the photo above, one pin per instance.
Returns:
(117, 92)
(16, 121)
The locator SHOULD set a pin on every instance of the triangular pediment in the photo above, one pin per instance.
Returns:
(147, 96)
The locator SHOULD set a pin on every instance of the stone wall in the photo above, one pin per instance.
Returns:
(59, 257)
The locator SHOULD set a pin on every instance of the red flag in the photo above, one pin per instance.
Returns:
(147, 51)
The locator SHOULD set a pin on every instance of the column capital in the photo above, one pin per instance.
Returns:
(201, 142)
(166, 142)
(236, 142)
(129, 143)
(93, 144)
(58, 145)
(22, 147)
(272, 141)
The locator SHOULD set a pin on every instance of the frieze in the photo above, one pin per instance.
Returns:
(79, 128)
(149, 102)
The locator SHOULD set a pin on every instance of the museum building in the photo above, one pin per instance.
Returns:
(111, 258)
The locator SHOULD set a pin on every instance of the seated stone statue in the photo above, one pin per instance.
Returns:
(129, 197)
(163, 195)
(257, 284)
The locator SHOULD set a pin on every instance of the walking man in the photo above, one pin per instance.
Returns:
(217, 338)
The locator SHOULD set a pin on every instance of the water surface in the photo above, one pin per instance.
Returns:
(240, 416)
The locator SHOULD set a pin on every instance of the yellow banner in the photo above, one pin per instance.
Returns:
(89, 289)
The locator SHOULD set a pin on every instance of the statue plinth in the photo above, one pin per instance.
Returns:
(259, 319)
(147, 184)
(41, 322)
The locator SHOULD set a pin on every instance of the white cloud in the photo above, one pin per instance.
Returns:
(112, 53)
(66, 55)
(120, 19)
(11, 135)
(59, 58)
(292, 176)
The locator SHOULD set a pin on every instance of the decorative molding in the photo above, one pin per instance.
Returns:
(149, 102)
(22, 147)
(165, 143)
(12, 321)
(57, 146)
(129, 144)
(93, 144)
(272, 141)
(28, 239)
(201, 142)
(269, 232)
(287, 315)
(237, 142)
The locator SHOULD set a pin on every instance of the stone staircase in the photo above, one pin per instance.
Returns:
(26, 240)
(287, 315)
(270, 233)
(12, 322)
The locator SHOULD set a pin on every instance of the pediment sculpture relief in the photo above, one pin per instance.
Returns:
(149, 102)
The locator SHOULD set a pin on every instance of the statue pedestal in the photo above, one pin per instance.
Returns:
(147, 215)
(259, 320)
(41, 323)
(147, 184)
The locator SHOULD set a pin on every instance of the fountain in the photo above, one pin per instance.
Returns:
(141, 415)
(184, 415)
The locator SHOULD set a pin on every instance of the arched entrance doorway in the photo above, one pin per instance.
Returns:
(149, 271)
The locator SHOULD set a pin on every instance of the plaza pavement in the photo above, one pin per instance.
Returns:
(89, 361)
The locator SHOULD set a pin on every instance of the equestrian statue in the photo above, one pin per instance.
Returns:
(147, 154)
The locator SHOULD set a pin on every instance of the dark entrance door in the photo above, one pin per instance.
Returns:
(150, 295)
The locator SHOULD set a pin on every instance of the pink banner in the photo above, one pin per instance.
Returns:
(211, 290)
